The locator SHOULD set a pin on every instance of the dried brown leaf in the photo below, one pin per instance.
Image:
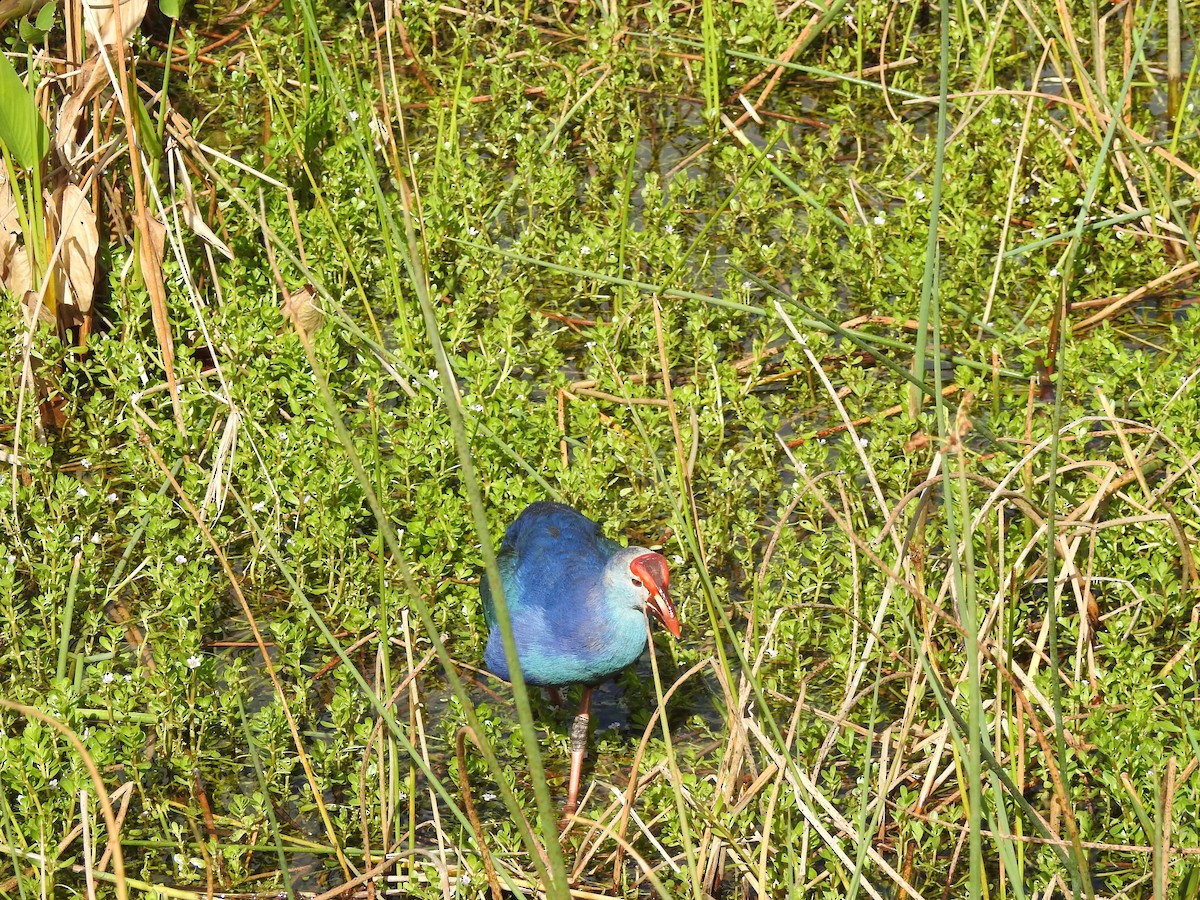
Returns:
(15, 273)
(30, 305)
(76, 268)
(303, 309)
(112, 22)
(72, 114)
(195, 221)
(151, 238)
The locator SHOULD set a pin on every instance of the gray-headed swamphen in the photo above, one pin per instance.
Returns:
(578, 603)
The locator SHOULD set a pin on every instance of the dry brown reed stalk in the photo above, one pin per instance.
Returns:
(1113, 305)
(383, 755)
(735, 787)
(635, 783)
(460, 746)
(1019, 681)
(809, 799)
(1009, 205)
(1083, 521)
(890, 412)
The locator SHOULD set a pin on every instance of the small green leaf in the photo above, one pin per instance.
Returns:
(22, 130)
(146, 132)
(28, 31)
(45, 18)
(172, 8)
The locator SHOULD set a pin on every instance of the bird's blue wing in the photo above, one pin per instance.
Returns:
(558, 555)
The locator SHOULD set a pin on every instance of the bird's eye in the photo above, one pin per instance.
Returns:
(637, 582)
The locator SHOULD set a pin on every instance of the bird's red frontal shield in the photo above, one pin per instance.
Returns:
(651, 570)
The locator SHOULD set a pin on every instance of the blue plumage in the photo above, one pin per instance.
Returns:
(577, 600)
(577, 603)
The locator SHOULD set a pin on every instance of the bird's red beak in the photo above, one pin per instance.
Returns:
(651, 570)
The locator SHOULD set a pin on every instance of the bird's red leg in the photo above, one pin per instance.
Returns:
(579, 736)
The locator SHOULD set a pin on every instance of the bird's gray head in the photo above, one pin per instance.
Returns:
(638, 579)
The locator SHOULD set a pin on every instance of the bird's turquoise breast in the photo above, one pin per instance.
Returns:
(555, 651)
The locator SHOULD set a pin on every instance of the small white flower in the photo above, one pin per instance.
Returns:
(489, 797)
(862, 442)
(1054, 272)
(12, 559)
(81, 492)
(477, 407)
(260, 506)
(919, 194)
(53, 782)
(128, 679)
(849, 20)
(995, 120)
(107, 677)
(678, 560)
(669, 229)
(75, 541)
(879, 219)
(433, 374)
(112, 497)
(472, 231)
(585, 250)
(86, 463)
(95, 537)
(352, 115)
(590, 344)
(181, 560)
(194, 662)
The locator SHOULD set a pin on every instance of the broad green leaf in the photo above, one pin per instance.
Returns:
(22, 130)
